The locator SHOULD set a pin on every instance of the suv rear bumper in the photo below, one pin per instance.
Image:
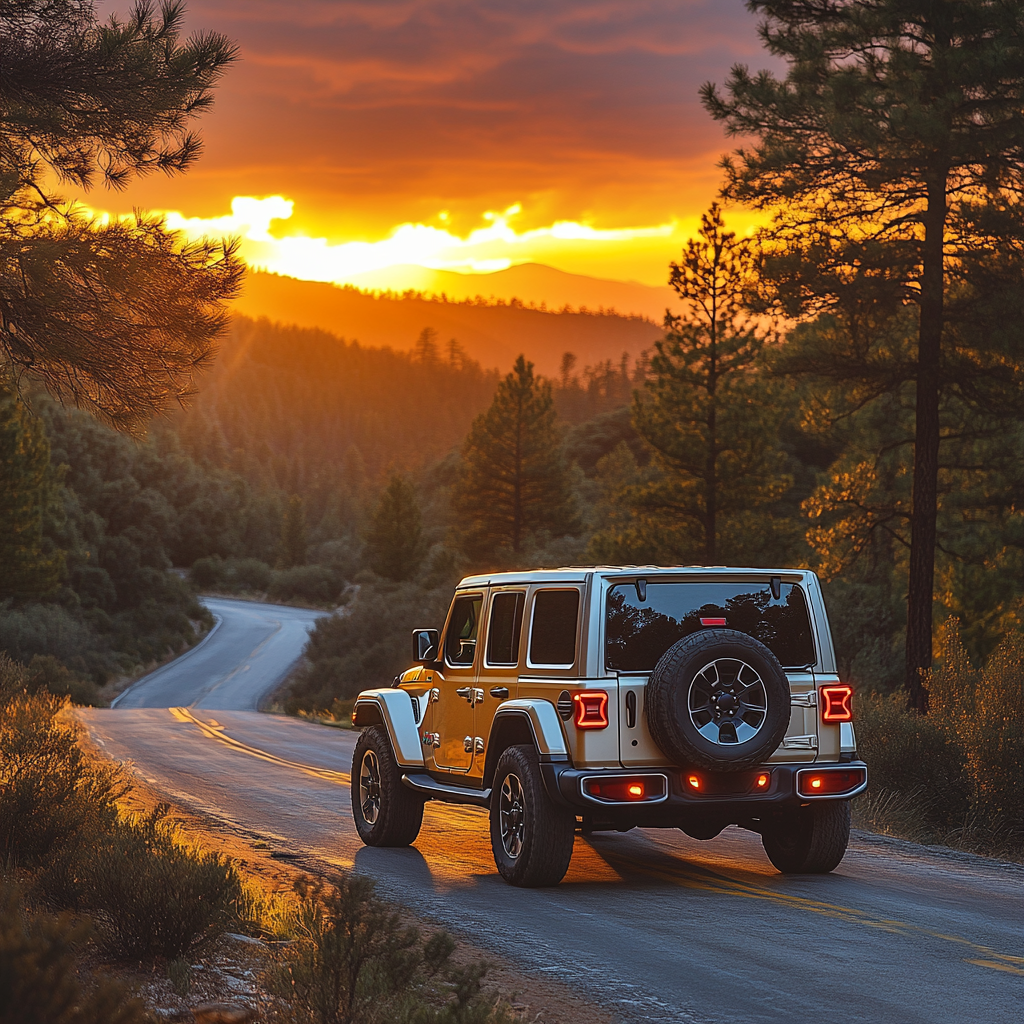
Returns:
(669, 794)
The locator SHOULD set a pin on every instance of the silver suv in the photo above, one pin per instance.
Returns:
(610, 698)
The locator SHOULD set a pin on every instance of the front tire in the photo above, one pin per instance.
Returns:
(810, 840)
(531, 836)
(386, 812)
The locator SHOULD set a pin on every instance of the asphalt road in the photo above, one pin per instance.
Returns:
(662, 927)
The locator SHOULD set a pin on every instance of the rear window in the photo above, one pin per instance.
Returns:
(639, 632)
(553, 636)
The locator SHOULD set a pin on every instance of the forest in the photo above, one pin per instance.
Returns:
(842, 391)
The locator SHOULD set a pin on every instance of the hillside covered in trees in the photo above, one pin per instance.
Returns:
(492, 331)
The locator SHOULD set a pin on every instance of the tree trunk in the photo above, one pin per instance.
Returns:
(517, 482)
(926, 451)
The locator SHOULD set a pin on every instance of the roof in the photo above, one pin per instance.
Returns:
(578, 573)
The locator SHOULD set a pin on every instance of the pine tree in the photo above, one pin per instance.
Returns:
(293, 533)
(394, 541)
(116, 317)
(705, 411)
(29, 565)
(891, 158)
(514, 481)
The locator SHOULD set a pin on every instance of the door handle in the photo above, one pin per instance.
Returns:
(466, 692)
(501, 692)
(478, 697)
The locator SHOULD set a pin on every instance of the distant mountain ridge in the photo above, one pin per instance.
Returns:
(534, 284)
(493, 332)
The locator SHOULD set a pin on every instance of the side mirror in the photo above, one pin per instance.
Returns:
(425, 645)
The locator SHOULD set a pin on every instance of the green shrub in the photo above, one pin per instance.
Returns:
(207, 572)
(51, 798)
(248, 574)
(45, 672)
(984, 711)
(154, 897)
(305, 583)
(911, 753)
(955, 775)
(354, 962)
(43, 629)
(39, 982)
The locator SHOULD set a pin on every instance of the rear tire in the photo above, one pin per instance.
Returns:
(386, 812)
(810, 840)
(531, 836)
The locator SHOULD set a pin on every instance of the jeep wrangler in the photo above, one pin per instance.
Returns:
(614, 698)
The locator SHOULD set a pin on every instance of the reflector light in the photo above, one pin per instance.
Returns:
(836, 703)
(763, 779)
(830, 783)
(712, 622)
(623, 789)
(694, 782)
(591, 709)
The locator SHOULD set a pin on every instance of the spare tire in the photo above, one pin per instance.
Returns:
(718, 700)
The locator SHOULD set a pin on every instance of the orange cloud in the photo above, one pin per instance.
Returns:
(378, 113)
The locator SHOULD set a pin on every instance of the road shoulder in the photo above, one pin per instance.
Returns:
(540, 1000)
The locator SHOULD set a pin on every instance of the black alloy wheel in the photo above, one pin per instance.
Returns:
(386, 812)
(531, 836)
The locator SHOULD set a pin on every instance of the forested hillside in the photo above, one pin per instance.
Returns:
(493, 332)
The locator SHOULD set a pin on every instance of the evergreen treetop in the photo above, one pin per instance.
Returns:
(514, 481)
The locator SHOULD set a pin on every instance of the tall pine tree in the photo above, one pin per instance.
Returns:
(514, 481)
(892, 160)
(706, 412)
(116, 317)
(394, 542)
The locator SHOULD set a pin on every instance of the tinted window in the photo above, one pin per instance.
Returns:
(640, 632)
(553, 638)
(505, 628)
(460, 640)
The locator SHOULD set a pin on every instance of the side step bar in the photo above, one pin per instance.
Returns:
(423, 783)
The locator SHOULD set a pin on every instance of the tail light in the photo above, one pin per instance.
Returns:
(831, 783)
(624, 790)
(836, 703)
(591, 709)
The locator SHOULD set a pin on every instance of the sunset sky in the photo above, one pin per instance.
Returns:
(458, 134)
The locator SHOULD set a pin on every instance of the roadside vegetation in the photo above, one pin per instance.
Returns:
(85, 883)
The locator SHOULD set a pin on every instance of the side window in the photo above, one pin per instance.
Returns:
(505, 628)
(553, 634)
(460, 640)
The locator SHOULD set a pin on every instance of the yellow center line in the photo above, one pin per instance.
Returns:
(996, 966)
(216, 732)
(710, 881)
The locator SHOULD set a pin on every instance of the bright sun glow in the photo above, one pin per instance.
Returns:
(494, 246)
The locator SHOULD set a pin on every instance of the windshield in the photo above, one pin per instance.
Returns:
(639, 632)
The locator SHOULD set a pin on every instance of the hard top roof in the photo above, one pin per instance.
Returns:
(578, 573)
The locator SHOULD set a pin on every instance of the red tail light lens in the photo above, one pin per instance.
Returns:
(836, 703)
(693, 781)
(591, 709)
(829, 783)
(625, 789)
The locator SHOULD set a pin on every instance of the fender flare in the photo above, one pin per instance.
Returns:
(393, 709)
(545, 727)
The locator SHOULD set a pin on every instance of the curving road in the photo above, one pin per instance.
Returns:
(652, 923)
